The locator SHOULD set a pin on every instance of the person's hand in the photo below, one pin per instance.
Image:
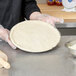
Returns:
(49, 19)
(4, 35)
(46, 18)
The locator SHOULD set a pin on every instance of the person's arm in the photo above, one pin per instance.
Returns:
(32, 12)
(30, 7)
(4, 35)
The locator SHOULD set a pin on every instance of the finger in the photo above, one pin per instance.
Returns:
(50, 22)
(9, 41)
(60, 20)
(11, 44)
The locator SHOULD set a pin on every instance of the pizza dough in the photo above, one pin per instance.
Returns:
(2, 55)
(3, 60)
(34, 36)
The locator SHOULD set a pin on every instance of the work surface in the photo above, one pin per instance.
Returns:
(57, 12)
(57, 62)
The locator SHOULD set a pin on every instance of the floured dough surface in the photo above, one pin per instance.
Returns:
(4, 56)
(34, 36)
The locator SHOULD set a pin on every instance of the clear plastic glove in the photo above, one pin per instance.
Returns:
(4, 35)
(50, 19)
(46, 18)
(4, 60)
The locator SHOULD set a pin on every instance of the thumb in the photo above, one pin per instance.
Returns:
(9, 41)
(11, 44)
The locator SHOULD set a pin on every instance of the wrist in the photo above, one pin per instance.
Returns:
(35, 15)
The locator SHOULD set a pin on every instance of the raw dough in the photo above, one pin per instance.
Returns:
(34, 36)
(3, 61)
(4, 56)
(73, 47)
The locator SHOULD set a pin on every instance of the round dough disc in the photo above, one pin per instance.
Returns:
(34, 36)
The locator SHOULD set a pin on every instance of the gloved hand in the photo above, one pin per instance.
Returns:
(46, 18)
(49, 19)
(4, 35)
